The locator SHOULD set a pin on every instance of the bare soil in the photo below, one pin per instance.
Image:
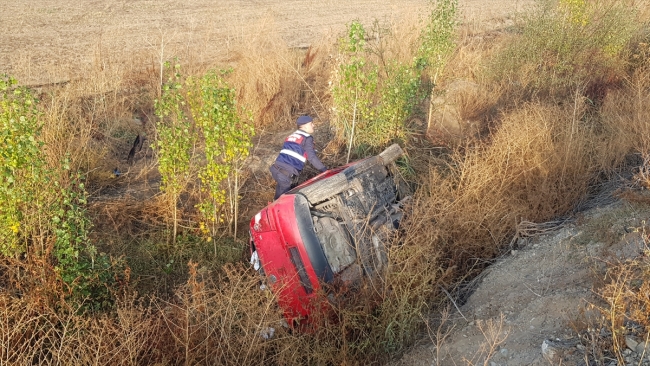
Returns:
(542, 292)
(49, 41)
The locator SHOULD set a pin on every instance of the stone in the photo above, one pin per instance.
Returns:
(631, 343)
(550, 353)
(555, 350)
(642, 347)
(267, 333)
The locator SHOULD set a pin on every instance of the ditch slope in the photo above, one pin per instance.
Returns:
(532, 306)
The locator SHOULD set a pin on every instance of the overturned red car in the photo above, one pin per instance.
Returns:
(331, 229)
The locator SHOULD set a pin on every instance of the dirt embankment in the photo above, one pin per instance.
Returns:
(533, 306)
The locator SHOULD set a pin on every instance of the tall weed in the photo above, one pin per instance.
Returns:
(269, 77)
(567, 45)
(536, 167)
(625, 110)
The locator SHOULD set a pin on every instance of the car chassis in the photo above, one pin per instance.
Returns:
(332, 229)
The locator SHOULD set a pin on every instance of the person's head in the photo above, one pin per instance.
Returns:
(306, 124)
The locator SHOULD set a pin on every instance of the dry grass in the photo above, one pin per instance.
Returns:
(628, 107)
(537, 164)
(495, 333)
(401, 34)
(536, 161)
(625, 306)
(206, 324)
(267, 75)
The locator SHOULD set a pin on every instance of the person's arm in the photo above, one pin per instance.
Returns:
(308, 145)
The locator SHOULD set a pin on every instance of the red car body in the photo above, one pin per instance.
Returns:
(313, 234)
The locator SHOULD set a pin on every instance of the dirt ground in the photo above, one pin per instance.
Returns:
(49, 41)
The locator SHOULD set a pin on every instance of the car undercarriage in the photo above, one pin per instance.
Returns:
(331, 230)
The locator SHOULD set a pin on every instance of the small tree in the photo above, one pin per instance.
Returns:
(355, 83)
(374, 95)
(437, 37)
(42, 209)
(173, 142)
(21, 164)
(227, 139)
(436, 42)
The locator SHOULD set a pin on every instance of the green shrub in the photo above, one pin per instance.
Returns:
(42, 209)
(21, 163)
(174, 142)
(567, 45)
(373, 95)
